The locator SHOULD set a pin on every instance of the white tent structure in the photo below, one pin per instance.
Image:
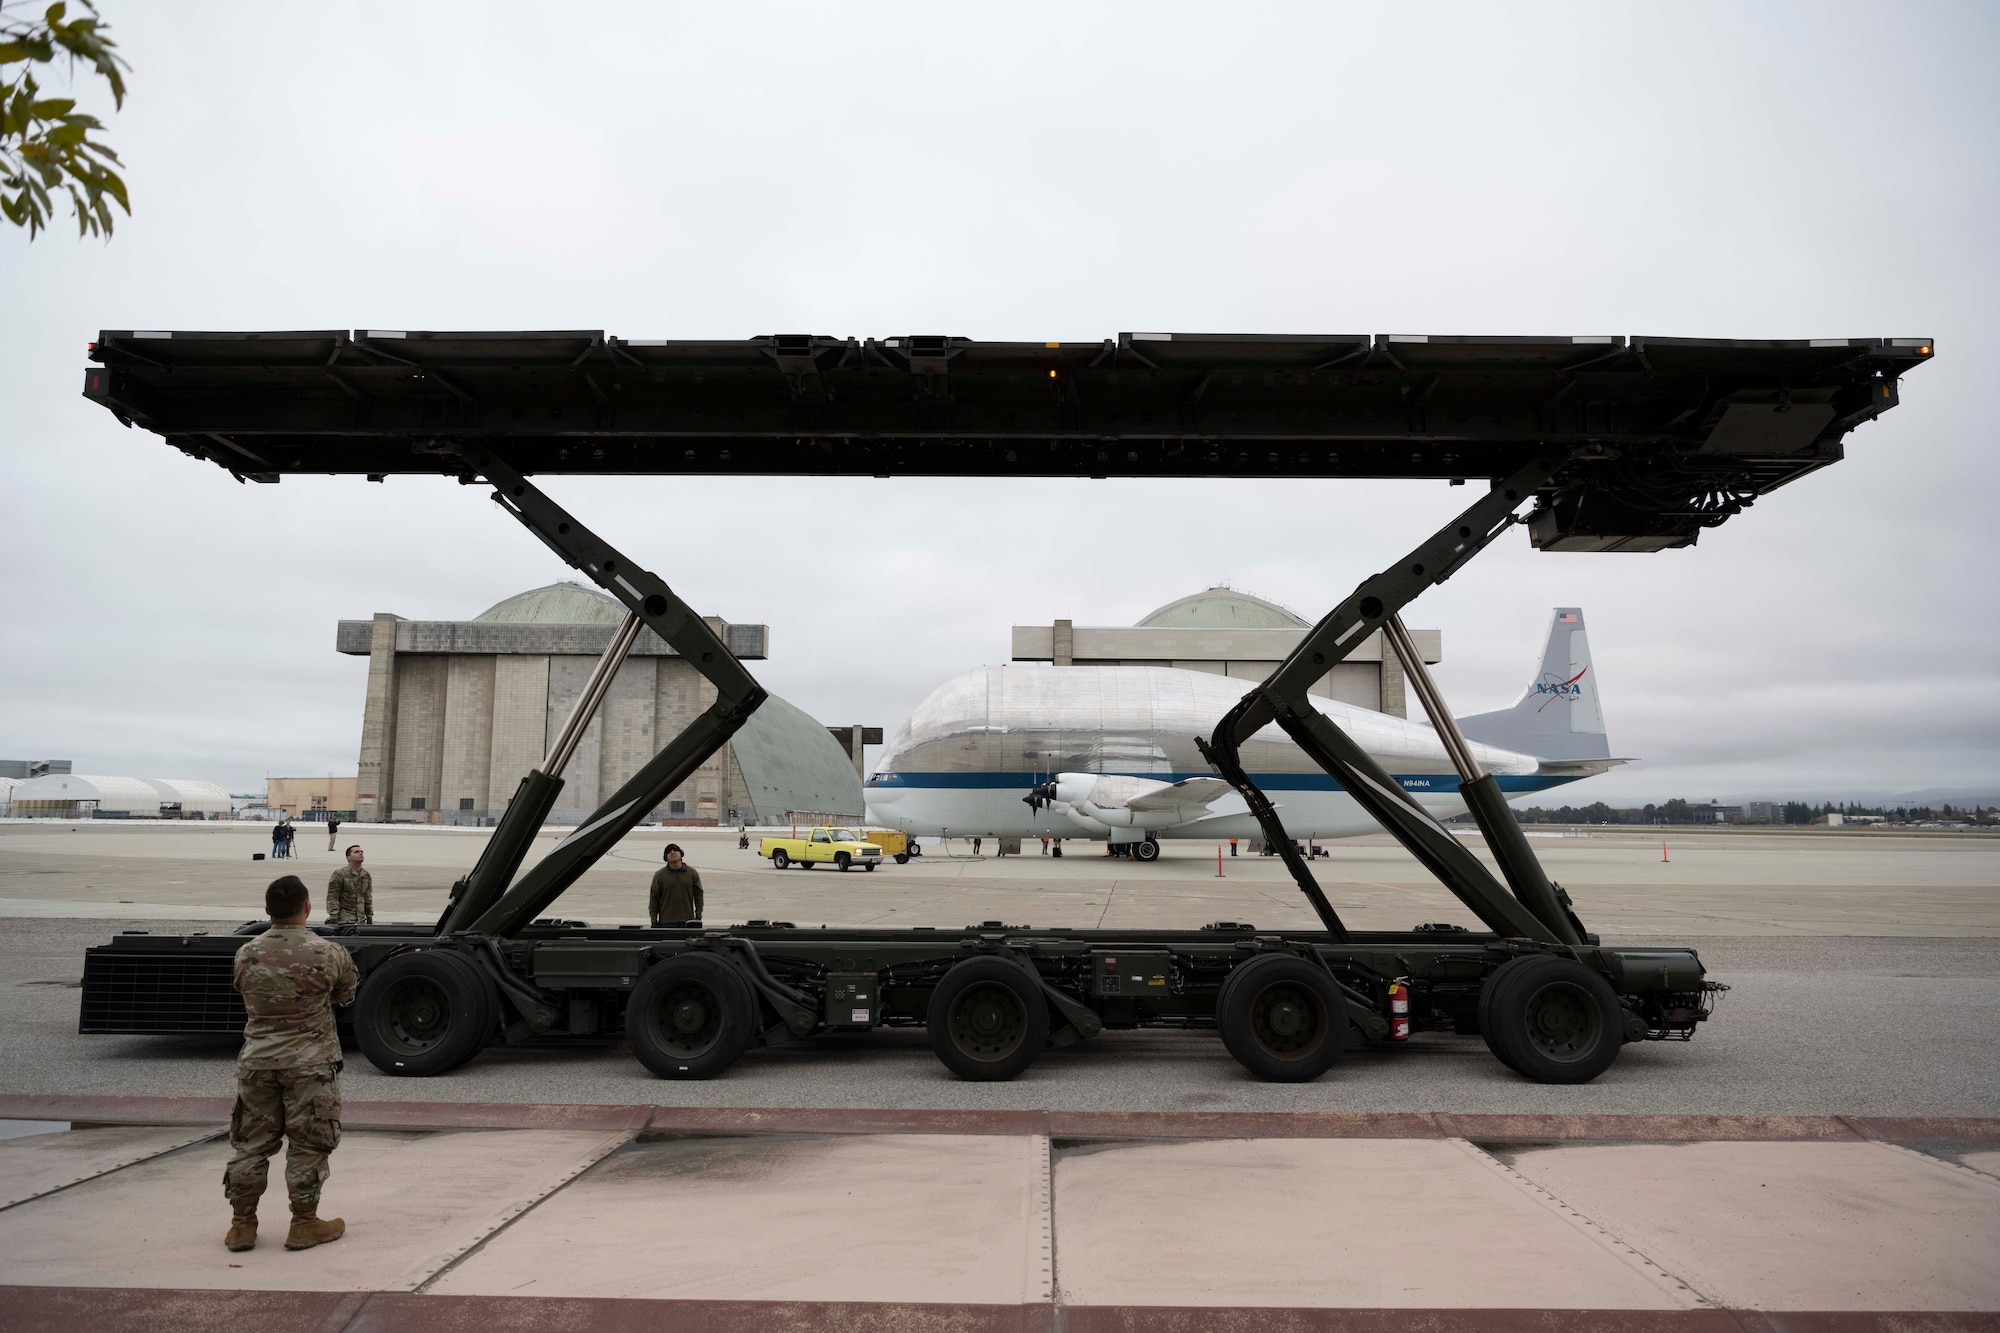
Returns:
(194, 797)
(7, 786)
(87, 795)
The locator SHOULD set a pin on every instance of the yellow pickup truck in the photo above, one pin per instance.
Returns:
(843, 848)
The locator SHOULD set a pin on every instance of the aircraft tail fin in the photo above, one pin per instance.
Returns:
(1559, 717)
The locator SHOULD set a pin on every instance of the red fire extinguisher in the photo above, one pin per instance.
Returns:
(1399, 1010)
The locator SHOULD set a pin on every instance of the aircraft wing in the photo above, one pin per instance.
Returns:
(1186, 792)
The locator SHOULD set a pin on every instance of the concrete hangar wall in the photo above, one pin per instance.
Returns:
(458, 711)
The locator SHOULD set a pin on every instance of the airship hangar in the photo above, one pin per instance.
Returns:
(457, 711)
(1228, 632)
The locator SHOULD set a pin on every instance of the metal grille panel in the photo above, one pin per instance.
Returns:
(158, 993)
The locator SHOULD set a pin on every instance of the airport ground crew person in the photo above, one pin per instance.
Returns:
(350, 893)
(676, 893)
(332, 831)
(288, 1072)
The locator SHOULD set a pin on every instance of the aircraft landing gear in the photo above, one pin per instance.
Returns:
(1149, 850)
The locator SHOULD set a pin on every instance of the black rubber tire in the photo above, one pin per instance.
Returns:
(1283, 1018)
(902, 858)
(868, 865)
(779, 859)
(1148, 851)
(1552, 1019)
(805, 865)
(1486, 992)
(425, 1012)
(988, 1020)
(690, 1017)
(841, 861)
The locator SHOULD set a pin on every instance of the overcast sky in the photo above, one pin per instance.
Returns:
(1060, 172)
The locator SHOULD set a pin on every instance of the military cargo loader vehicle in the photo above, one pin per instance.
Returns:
(1609, 444)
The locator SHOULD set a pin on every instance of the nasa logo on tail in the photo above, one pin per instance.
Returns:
(1560, 689)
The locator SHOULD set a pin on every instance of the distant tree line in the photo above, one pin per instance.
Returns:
(1780, 812)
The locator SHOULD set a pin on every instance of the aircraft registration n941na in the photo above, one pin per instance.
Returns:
(1107, 753)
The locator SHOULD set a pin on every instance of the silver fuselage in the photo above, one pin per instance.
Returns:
(971, 751)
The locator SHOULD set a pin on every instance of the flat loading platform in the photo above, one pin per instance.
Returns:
(586, 1217)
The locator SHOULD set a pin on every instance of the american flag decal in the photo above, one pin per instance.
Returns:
(1565, 617)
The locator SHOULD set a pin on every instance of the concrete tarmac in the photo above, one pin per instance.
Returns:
(1866, 976)
(1866, 970)
(1712, 882)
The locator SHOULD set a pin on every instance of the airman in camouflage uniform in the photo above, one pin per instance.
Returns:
(288, 1072)
(350, 893)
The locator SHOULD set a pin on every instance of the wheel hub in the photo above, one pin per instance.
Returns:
(1286, 1020)
(987, 1021)
(690, 1019)
(689, 1015)
(418, 1013)
(1561, 1021)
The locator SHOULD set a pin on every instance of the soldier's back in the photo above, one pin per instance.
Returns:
(290, 979)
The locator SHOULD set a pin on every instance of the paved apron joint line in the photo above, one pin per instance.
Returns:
(1932, 1159)
(521, 1208)
(190, 1141)
(1672, 1285)
(1044, 1272)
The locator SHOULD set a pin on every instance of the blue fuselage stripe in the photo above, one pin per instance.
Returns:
(1438, 783)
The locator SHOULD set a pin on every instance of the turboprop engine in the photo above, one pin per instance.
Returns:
(1102, 803)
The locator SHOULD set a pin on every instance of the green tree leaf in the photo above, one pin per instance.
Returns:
(45, 143)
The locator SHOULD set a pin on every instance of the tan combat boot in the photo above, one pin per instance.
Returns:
(242, 1224)
(308, 1231)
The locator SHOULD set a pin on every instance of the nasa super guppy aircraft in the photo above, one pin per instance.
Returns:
(1107, 753)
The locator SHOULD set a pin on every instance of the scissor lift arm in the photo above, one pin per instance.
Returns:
(484, 902)
(1534, 912)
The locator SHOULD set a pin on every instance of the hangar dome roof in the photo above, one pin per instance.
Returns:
(563, 603)
(1224, 608)
(110, 793)
(191, 794)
